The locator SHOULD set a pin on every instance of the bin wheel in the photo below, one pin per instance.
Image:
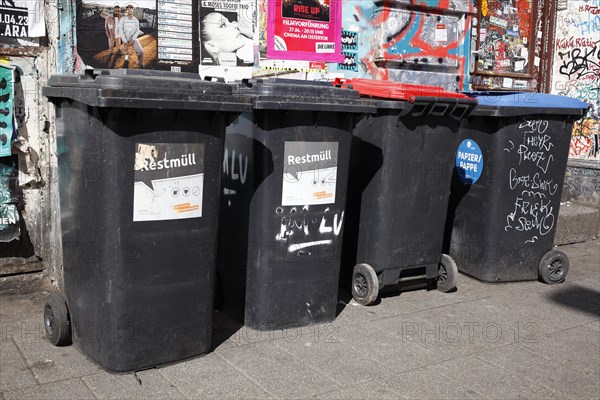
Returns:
(365, 284)
(447, 274)
(56, 320)
(553, 267)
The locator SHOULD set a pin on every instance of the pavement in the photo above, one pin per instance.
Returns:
(491, 341)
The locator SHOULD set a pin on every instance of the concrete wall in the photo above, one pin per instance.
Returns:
(576, 70)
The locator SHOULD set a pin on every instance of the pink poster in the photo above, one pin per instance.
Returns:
(305, 30)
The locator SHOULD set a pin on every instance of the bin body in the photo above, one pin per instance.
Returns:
(139, 241)
(401, 169)
(502, 218)
(283, 205)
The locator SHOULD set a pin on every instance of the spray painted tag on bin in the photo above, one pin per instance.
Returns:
(469, 161)
(309, 173)
(168, 181)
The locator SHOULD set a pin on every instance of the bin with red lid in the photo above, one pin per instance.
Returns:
(400, 176)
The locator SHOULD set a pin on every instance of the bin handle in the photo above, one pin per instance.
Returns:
(214, 78)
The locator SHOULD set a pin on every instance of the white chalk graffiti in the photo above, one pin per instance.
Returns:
(306, 224)
(234, 171)
(532, 209)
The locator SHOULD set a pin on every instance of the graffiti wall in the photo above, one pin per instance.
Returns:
(407, 40)
(576, 71)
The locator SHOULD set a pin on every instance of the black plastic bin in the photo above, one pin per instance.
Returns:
(139, 160)
(283, 204)
(398, 195)
(506, 191)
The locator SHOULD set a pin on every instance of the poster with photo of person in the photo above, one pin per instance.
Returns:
(227, 33)
(142, 34)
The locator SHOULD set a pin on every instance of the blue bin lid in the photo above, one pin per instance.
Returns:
(518, 103)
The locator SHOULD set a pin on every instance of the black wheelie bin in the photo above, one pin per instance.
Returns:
(401, 169)
(140, 156)
(285, 173)
(507, 185)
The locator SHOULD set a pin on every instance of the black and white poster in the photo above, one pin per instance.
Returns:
(168, 181)
(227, 29)
(21, 19)
(309, 173)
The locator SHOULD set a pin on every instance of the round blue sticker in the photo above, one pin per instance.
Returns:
(469, 161)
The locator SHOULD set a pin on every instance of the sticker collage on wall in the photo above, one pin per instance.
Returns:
(504, 36)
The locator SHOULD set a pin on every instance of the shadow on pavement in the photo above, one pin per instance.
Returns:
(579, 298)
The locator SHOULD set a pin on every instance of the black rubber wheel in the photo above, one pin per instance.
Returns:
(365, 284)
(554, 267)
(447, 274)
(56, 320)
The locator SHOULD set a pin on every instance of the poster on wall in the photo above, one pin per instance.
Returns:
(227, 32)
(153, 34)
(6, 110)
(305, 30)
(22, 18)
(10, 227)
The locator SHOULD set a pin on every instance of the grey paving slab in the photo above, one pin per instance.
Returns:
(276, 371)
(17, 308)
(423, 299)
(366, 390)
(492, 381)
(49, 363)
(387, 348)
(458, 329)
(393, 304)
(210, 377)
(350, 312)
(14, 373)
(595, 325)
(426, 384)
(536, 307)
(143, 385)
(557, 376)
(64, 390)
(584, 259)
(333, 358)
(578, 348)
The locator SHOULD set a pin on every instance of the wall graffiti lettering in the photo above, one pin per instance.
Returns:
(577, 70)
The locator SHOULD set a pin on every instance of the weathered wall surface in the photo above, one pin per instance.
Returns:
(36, 248)
(576, 71)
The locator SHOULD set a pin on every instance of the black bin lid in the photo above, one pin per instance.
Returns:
(145, 89)
(291, 94)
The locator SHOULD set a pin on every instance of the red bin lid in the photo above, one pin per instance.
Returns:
(396, 90)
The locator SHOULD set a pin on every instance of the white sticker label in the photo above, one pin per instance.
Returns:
(507, 83)
(168, 181)
(441, 33)
(325, 47)
(309, 173)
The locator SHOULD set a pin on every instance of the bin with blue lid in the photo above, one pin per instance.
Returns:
(401, 170)
(506, 190)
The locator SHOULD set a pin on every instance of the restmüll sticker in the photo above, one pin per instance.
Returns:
(469, 161)
(309, 173)
(168, 181)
